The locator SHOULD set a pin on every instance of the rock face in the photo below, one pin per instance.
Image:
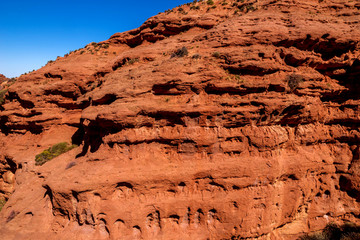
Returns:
(232, 120)
(2, 78)
(3, 81)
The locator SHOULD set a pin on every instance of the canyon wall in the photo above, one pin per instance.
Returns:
(232, 120)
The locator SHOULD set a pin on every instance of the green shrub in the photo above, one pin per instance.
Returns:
(332, 231)
(11, 81)
(181, 52)
(294, 81)
(212, 7)
(215, 54)
(235, 78)
(53, 152)
(2, 203)
(210, 2)
(2, 96)
(250, 7)
(132, 61)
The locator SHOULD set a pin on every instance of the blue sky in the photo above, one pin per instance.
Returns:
(33, 32)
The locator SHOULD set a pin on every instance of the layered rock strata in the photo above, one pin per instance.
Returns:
(250, 131)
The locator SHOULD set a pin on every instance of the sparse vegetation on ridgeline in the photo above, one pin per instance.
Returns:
(239, 6)
(90, 48)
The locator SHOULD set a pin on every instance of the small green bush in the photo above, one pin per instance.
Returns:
(210, 2)
(11, 81)
(132, 61)
(212, 7)
(215, 54)
(181, 52)
(2, 203)
(250, 7)
(2, 96)
(294, 81)
(53, 152)
(333, 231)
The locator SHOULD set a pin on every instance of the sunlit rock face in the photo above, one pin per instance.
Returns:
(2, 78)
(232, 120)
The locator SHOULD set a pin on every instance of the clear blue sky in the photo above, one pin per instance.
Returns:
(33, 32)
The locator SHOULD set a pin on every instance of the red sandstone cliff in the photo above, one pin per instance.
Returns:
(2, 78)
(3, 81)
(228, 121)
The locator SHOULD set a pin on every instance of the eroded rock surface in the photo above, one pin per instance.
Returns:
(253, 133)
(2, 78)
